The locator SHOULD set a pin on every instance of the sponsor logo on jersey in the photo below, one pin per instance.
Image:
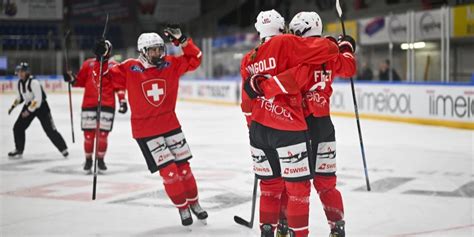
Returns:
(154, 91)
(296, 170)
(275, 109)
(325, 166)
(315, 98)
(136, 68)
(163, 65)
(158, 148)
(259, 159)
(262, 66)
(294, 158)
(261, 169)
(177, 144)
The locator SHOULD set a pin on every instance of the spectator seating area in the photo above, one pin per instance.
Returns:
(47, 36)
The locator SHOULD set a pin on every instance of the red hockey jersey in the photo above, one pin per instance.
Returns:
(317, 89)
(88, 78)
(283, 111)
(152, 91)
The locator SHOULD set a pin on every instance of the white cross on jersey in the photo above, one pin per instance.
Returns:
(155, 92)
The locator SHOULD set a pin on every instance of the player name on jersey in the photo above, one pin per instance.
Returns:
(262, 66)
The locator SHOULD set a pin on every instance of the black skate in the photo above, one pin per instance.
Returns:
(339, 230)
(186, 218)
(15, 154)
(88, 166)
(266, 230)
(282, 229)
(101, 165)
(65, 153)
(199, 212)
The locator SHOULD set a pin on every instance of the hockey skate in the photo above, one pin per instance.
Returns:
(88, 166)
(282, 229)
(339, 229)
(266, 230)
(101, 165)
(15, 154)
(186, 218)
(199, 212)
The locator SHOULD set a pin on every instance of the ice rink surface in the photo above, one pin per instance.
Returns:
(422, 179)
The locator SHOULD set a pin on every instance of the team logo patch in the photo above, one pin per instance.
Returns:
(136, 68)
(154, 91)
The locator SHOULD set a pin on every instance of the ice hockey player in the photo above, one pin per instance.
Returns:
(151, 82)
(88, 78)
(278, 138)
(32, 94)
(317, 92)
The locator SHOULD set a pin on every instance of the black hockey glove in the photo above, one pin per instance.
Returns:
(68, 77)
(102, 49)
(252, 85)
(174, 34)
(123, 107)
(346, 44)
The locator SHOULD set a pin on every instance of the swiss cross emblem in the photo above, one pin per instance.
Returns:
(154, 91)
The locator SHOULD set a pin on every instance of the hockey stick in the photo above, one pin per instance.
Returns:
(66, 61)
(239, 220)
(99, 108)
(356, 110)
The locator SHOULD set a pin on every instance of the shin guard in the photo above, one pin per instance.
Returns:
(173, 186)
(270, 198)
(89, 138)
(330, 198)
(102, 147)
(298, 206)
(189, 183)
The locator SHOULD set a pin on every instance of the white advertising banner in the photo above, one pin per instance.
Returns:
(397, 27)
(373, 31)
(32, 10)
(393, 28)
(208, 90)
(446, 105)
(416, 101)
(48, 84)
(383, 29)
(428, 25)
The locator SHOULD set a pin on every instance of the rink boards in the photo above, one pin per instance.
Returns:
(433, 104)
(450, 105)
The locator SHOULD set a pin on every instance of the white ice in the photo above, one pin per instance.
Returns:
(422, 178)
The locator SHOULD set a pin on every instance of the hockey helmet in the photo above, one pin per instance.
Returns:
(269, 23)
(148, 41)
(23, 66)
(306, 24)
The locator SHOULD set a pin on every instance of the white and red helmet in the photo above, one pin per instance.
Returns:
(269, 23)
(151, 40)
(306, 24)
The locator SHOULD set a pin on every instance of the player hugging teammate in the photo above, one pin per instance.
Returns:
(292, 137)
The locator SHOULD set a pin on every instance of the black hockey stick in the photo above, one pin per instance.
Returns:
(99, 108)
(356, 110)
(239, 220)
(66, 63)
